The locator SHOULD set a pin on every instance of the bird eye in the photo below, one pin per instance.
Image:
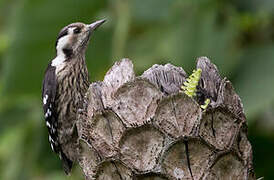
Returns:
(77, 30)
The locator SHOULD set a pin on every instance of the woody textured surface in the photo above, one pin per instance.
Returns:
(145, 128)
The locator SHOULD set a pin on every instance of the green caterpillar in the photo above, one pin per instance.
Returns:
(189, 87)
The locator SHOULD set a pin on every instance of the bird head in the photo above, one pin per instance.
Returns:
(74, 38)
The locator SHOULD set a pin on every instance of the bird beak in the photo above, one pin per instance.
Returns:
(96, 24)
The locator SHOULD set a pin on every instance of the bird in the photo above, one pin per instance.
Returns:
(65, 83)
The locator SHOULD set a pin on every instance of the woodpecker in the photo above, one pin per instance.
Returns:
(65, 83)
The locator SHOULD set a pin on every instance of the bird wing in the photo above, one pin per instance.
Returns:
(48, 99)
(50, 113)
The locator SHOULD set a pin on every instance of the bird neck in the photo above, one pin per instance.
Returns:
(73, 72)
(59, 59)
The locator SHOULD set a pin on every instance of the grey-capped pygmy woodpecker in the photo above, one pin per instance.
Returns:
(65, 83)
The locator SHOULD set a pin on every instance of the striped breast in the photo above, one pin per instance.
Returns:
(72, 84)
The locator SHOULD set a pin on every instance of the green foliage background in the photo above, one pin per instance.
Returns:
(238, 36)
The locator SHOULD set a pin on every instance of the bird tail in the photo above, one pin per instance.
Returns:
(67, 163)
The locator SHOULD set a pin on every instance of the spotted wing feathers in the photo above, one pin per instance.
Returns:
(49, 107)
(48, 97)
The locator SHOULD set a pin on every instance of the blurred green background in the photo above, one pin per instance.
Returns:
(238, 36)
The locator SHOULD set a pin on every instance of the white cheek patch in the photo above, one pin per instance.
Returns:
(60, 58)
(62, 42)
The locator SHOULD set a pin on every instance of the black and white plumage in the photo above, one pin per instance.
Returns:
(64, 86)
